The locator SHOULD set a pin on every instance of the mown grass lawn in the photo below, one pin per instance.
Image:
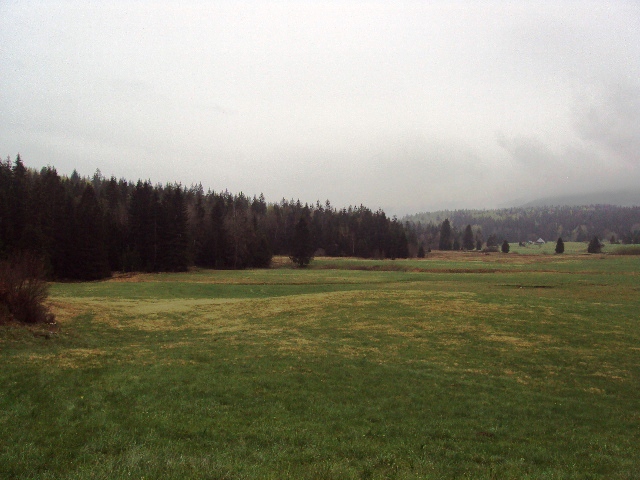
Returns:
(484, 366)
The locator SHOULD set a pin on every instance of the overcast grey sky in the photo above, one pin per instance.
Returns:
(408, 106)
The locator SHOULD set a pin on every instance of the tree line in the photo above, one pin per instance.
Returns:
(86, 227)
(489, 227)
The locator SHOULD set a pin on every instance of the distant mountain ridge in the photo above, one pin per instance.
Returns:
(621, 198)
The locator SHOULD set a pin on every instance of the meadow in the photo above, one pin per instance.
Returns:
(459, 365)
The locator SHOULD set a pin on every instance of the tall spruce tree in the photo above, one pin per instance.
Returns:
(115, 223)
(241, 234)
(173, 242)
(301, 244)
(559, 246)
(142, 251)
(198, 227)
(19, 201)
(217, 242)
(468, 242)
(91, 261)
(262, 255)
(49, 200)
(6, 231)
(445, 236)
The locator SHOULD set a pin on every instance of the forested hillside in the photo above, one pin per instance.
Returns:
(578, 224)
(85, 228)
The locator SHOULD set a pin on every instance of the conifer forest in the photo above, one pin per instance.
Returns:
(84, 228)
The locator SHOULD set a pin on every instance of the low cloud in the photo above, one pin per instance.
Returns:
(612, 122)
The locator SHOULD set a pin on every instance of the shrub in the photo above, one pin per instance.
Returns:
(505, 247)
(23, 290)
(627, 250)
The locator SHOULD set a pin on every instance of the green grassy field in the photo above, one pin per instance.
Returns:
(570, 248)
(458, 365)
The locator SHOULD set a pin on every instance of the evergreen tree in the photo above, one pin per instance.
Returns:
(91, 261)
(505, 247)
(217, 243)
(50, 207)
(241, 235)
(398, 245)
(594, 246)
(262, 255)
(198, 227)
(6, 231)
(115, 222)
(142, 251)
(559, 245)
(63, 257)
(467, 239)
(421, 251)
(19, 200)
(445, 235)
(173, 244)
(301, 245)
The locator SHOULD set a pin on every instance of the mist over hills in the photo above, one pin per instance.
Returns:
(616, 198)
(611, 215)
(621, 198)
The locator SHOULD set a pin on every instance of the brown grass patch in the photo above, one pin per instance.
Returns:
(291, 324)
(66, 310)
(515, 341)
(70, 358)
(597, 391)
(169, 346)
(131, 277)
(500, 258)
